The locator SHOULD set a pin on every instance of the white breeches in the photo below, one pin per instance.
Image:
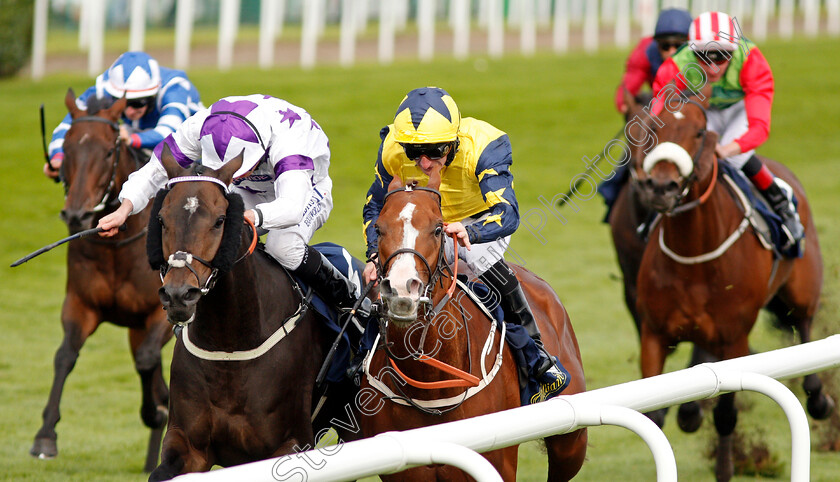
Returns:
(730, 124)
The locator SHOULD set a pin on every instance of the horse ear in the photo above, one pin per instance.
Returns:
(227, 171)
(70, 103)
(395, 184)
(115, 111)
(629, 101)
(434, 180)
(173, 169)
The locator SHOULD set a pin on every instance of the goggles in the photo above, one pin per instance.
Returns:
(714, 57)
(140, 103)
(432, 151)
(668, 44)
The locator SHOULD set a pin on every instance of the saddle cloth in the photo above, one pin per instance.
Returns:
(774, 232)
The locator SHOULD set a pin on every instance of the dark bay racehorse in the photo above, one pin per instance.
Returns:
(244, 366)
(107, 280)
(702, 282)
(445, 367)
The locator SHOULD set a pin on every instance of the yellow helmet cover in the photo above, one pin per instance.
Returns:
(427, 115)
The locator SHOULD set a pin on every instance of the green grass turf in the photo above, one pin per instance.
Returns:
(555, 110)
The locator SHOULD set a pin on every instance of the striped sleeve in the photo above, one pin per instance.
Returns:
(496, 183)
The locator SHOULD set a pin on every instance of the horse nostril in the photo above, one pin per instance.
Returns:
(164, 297)
(385, 287)
(414, 286)
(192, 296)
(673, 186)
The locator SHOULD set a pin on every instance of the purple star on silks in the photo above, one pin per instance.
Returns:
(224, 127)
(314, 125)
(289, 115)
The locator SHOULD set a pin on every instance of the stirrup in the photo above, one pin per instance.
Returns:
(545, 364)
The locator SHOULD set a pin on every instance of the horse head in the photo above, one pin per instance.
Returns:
(410, 230)
(91, 172)
(195, 225)
(678, 153)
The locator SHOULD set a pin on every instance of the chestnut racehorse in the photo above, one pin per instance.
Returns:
(448, 366)
(107, 279)
(704, 275)
(244, 365)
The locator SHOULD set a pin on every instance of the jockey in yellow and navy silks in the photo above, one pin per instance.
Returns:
(477, 197)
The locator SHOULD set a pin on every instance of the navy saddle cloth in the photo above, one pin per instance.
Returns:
(774, 222)
(352, 268)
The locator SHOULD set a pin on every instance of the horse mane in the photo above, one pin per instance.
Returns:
(228, 248)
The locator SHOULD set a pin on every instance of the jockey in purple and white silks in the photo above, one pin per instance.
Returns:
(159, 100)
(284, 179)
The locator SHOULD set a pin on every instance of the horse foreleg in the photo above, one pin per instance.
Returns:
(75, 334)
(726, 416)
(653, 348)
(145, 348)
(154, 408)
(179, 457)
(566, 454)
(690, 414)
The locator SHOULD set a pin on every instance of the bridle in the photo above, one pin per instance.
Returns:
(184, 259)
(435, 276)
(692, 178)
(113, 152)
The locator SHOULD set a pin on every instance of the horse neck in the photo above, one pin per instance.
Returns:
(705, 226)
(229, 317)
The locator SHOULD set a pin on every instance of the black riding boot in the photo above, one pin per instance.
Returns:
(330, 283)
(500, 278)
(783, 206)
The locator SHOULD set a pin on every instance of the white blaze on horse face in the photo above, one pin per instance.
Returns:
(679, 115)
(403, 269)
(191, 205)
(84, 138)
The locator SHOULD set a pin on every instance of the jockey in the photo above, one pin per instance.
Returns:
(159, 99)
(284, 179)
(476, 190)
(670, 34)
(740, 104)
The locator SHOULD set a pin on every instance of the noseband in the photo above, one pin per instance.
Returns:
(691, 178)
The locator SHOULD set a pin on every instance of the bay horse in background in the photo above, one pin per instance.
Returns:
(437, 369)
(244, 365)
(698, 281)
(107, 279)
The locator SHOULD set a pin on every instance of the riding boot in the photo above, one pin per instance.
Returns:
(781, 200)
(329, 282)
(517, 310)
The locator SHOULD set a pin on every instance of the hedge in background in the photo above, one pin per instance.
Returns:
(15, 35)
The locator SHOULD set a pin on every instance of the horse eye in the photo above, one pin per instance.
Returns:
(700, 133)
(219, 222)
(438, 231)
(377, 230)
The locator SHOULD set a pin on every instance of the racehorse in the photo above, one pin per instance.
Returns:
(704, 276)
(451, 366)
(629, 221)
(244, 366)
(107, 280)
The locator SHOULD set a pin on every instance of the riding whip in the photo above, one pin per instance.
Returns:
(319, 380)
(80, 234)
(44, 144)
